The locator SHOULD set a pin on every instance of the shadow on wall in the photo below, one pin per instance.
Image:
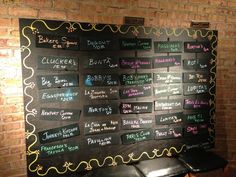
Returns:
(221, 119)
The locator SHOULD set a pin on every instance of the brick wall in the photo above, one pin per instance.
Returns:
(165, 13)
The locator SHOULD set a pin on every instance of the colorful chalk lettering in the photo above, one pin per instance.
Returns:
(197, 47)
(136, 79)
(168, 46)
(101, 80)
(196, 77)
(200, 103)
(192, 88)
(135, 63)
(102, 140)
(167, 61)
(135, 92)
(167, 90)
(170, 132)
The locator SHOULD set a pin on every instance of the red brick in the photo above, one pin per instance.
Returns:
(5, 22)
(3, 10)
(23, 12)
(17, 149)
(232, 4)
(4, 151)
(11, 126)
(3, 42)
(52, 14)
(19, 134)
(9, 143)
(8, 109)
(39, 3)
(64, 4)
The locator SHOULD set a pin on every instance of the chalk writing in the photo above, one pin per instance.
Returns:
(101, 62)
(100, 110)
(101, 93)
(136, 79)
(59, 114)
(197, 47)
(101, 80)
(102, 140)
(167, 78)
(136, 108)
(196, 103)
(59, 95)
(196, 117)
(171, 118)
(57, 42)
(56, 134)
(133, 123)
(58, 81)
(135, 63)
(190, 89)
(134, 43)
(133, 137)
(96, 127)
(196, 129)
(167, 90)
(196, 63)
(168, 46)
(58, 63)
(168, 104)
(135, 92)
(171, 132)
(196, 77)
(96, 44)
(56, 149)
(167, 61)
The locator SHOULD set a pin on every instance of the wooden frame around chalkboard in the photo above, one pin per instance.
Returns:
(30, 28)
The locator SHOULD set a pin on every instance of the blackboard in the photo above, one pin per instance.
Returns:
(65, 63)
(136, 107)
(171, 118)
(57, 81)
(200, 64)
(136, 63)
(97, 127)
(99, 95)
(135, 92)
(101, 61)
(168, 46)
(57, 42)
(167, 61)
(170, 132)
(59, 133)
(59, 95)
(167, 78)
(167, 90)
(197, 47)
(135, 44)
(58, 149)
(136, 79)
(88, 43)
(59, 114)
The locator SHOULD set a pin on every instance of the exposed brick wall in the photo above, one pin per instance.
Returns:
(165, 13)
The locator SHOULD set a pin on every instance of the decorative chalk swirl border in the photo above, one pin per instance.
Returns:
(112, 161)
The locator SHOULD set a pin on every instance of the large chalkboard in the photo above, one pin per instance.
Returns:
(98, 95)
